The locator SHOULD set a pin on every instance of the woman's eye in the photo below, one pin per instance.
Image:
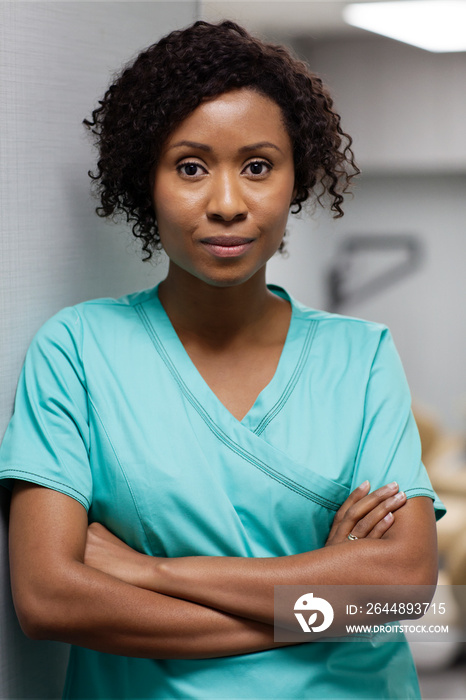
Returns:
(259, 167)
(190, 169)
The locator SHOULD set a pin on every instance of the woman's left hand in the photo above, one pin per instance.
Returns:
(106, 552)
(366, 515)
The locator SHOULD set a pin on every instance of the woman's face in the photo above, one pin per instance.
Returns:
(223, 188)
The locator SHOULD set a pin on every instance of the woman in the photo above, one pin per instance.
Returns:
(218, 436)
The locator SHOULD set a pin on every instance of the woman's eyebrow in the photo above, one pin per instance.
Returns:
(260, 144)
(191, 144)
(243, 149)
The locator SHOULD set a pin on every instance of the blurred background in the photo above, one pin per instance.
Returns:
(397, 255)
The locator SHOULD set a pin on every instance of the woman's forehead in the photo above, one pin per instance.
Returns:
(241, 114)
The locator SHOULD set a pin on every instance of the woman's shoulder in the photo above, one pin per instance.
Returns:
(107, 305)
(103, 315)
(332, 325)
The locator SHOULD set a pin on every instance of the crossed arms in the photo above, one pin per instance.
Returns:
(79, 584)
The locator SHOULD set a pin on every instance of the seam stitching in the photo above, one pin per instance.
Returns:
(86, 387)
(275, 410)
(419, 489)
(15, 470)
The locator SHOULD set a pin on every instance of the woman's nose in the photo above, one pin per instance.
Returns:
(226, 201)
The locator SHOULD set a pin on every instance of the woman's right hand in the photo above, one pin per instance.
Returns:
(366, 515)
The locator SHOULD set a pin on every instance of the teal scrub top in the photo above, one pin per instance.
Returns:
(111, 411)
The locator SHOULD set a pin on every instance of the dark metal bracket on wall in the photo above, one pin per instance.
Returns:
(342, 288)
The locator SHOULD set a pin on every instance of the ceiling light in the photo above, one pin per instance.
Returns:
(434, 25)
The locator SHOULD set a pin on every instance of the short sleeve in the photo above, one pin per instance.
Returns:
(47, 439)
(390, 447)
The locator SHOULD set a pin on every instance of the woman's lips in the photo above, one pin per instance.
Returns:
(227, 246)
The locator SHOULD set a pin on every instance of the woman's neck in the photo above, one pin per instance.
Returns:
(219, 314)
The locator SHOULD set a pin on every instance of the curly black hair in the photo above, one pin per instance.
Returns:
(168, 80)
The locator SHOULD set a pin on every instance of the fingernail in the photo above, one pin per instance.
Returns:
(393, 485)
(364, 484)
(399, 496)
(388, 517)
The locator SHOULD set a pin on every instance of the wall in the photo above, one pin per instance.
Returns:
(423, 310)
(56, 60)
(406, 109)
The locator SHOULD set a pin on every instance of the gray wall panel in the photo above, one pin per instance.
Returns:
(56, 58)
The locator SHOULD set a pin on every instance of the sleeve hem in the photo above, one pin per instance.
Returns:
(440, 509)
(25, 475)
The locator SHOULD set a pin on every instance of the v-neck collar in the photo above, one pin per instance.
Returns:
(272, 397)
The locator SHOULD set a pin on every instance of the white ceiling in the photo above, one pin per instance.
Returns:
(319, 19)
